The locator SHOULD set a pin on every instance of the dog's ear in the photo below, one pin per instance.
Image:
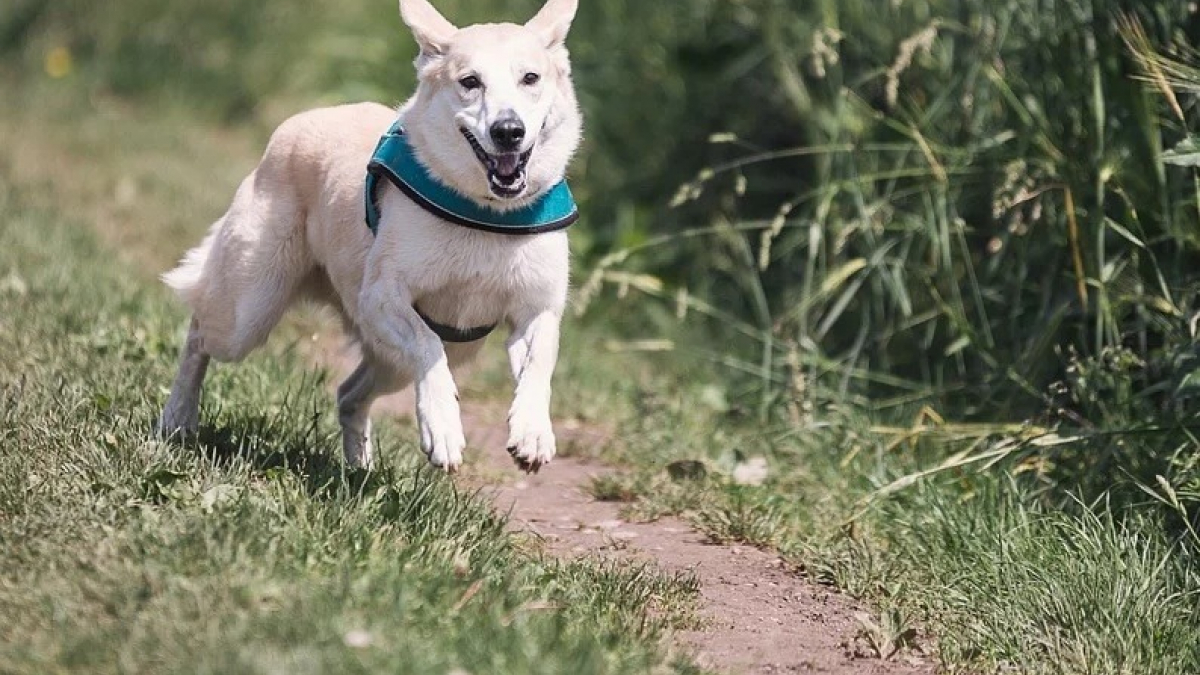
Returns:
(429, 27)
(553, 22)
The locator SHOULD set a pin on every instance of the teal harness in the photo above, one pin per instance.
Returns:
(395, 161)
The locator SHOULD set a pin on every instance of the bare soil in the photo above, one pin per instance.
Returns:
(757, 614)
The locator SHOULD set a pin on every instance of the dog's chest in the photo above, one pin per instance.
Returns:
(469, 278)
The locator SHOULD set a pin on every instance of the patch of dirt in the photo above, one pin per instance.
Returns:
(757, 615)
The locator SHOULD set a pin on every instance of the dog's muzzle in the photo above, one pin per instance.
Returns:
(505, 170)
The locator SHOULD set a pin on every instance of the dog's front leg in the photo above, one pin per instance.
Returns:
(397, 334)
(532, 353)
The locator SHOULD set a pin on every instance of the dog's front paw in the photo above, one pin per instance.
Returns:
(441, 430)
(530, 435)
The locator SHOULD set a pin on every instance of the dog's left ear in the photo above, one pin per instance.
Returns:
(553, 22)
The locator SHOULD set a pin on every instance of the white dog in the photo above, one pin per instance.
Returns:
(486, 139)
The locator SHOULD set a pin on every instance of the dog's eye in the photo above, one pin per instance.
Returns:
(531, 79)
(470, 82)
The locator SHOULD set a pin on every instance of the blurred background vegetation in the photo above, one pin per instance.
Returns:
(986, 210)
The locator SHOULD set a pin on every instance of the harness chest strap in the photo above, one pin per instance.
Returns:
(395, 161)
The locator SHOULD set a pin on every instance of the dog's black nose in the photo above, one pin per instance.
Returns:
(508, 132)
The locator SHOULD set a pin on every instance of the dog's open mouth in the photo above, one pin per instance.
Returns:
(506, 171)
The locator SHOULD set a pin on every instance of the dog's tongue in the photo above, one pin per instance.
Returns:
(508, 164)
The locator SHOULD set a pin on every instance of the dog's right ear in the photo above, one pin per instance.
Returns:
(430, 28)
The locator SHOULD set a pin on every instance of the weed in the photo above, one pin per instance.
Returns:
(612, 488)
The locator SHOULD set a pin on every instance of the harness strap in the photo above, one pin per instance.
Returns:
(455, 335)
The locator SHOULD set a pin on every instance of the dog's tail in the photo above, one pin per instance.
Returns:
(187, 279)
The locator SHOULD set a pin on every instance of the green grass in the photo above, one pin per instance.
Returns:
(252, 550)
(987, 566)
(1046, 591)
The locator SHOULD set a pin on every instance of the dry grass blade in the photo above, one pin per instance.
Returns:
(1153, 65)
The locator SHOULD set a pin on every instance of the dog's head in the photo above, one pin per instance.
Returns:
(495, 115)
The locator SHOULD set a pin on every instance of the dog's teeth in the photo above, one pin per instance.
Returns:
(507, 187)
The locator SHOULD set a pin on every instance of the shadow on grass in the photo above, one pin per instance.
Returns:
(410, 494)
(296, 436)
(281, 442)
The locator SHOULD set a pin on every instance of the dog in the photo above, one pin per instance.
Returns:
(492, 126)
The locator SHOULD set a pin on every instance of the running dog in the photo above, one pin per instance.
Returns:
(424, 228)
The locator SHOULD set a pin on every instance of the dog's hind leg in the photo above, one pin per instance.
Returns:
(242, 278)
(354, 398)
(238, 282)
(181, 415)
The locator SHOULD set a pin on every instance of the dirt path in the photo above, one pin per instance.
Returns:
(757, 615)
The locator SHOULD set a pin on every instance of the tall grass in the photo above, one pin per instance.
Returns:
(959, 204)
(970, 187)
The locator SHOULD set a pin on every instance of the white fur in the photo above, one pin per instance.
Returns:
(295, 229)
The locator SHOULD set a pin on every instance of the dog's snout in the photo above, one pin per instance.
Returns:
(508, 132)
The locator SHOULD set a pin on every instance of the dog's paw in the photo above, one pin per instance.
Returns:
(357, 446)
(173, 426)
(530, 436)
(441, 430)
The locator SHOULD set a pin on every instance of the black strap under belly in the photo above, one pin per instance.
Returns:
(456, 335)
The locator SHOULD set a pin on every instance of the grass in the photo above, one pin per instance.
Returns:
(251, 550)
(1047, 591)
(982, 567)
